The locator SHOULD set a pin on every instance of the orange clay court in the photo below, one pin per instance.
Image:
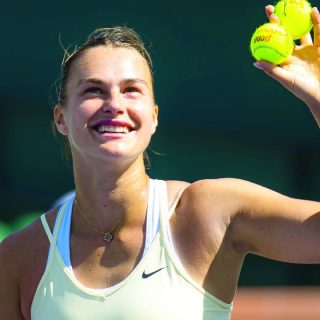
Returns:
(277, 303)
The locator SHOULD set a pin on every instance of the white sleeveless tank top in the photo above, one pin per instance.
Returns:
(158, 288)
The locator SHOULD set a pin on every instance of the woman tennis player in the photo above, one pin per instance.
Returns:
(131, 247)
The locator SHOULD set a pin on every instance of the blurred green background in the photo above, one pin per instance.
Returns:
(219, 116)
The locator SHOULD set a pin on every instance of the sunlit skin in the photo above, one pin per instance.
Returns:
(108, 83)
(217, 221)
(305, 60)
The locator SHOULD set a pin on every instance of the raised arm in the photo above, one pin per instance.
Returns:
(301, 73)
(272, 225)
(249, 218)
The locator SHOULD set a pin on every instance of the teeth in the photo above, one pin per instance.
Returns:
(115, 129)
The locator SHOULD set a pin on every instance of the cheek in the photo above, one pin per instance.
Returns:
(143, 115)
(87, 108)
(81, 114)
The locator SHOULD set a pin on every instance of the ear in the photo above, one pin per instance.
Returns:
(59, 120)
(155, 118)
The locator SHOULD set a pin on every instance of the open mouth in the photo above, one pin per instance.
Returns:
(112, 129)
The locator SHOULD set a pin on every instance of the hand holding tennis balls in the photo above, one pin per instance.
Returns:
(294, 16)
(274, 43)
(300, 74)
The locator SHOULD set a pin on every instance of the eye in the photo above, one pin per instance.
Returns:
(131, 89)
(93, 91)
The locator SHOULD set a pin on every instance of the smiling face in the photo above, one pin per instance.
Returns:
(109, 109)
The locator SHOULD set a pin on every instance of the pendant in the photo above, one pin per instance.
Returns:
(107, 237)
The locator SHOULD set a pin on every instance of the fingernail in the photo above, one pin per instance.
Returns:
(259, 65)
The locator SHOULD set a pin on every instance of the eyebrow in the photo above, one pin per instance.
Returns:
(90, 80)
(134, 80)
(100, 82)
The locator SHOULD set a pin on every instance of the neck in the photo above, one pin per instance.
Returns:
(108, 196)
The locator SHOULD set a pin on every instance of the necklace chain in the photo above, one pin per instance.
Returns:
(107, 236)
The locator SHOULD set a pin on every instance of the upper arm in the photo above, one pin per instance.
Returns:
(246, 217)
(9, 279)
(270, 224)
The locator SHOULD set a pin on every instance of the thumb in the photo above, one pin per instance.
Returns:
(282, 75)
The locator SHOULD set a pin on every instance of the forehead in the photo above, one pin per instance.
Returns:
(110, 63)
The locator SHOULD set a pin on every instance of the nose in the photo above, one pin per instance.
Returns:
(113, 104)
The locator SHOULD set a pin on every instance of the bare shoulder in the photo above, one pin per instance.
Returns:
(245, 213)
(218, 200)
(17, 246)
(24, 244)
(200, 232)
(229, 193)
(224, 185)
(207, 205)
(215, 193)
(22, 261)
(240, 196)
(175, 188)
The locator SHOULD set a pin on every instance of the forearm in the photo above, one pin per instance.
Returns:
(315, 110)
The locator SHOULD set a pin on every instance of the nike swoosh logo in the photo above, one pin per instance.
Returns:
(147, 275)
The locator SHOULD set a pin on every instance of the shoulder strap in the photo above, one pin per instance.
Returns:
(46, 227)
(53, 237)
(175, 202)
(163, 201)
(162, 193)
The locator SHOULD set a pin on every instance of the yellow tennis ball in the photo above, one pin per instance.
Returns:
(295, 17)
(271, 42)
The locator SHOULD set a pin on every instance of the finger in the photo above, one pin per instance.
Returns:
(306, 40)
(288, 61)
(316, 26)
(269, 10)
(274, 19)
(271, 16)
(280, 74)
